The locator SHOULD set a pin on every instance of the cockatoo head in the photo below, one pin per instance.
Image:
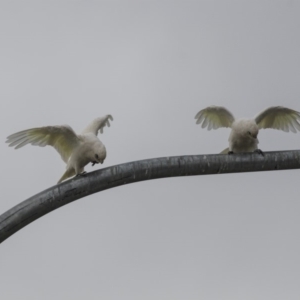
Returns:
(252, 129)
(98, 153)
(247, 128)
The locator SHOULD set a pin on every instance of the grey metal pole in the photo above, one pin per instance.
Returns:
(79, 187)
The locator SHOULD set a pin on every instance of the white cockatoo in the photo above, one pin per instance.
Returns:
(243, 136)
(76, 150)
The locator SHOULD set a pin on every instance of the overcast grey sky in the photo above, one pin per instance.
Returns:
(152, 65)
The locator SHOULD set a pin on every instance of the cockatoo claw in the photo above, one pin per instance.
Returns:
(259, 152)
(81, 174)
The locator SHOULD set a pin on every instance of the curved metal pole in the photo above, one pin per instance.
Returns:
(93, 182)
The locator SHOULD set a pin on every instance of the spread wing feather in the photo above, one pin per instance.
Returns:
(62, 138)
(98, 124)
(279, 117)
(214, 117)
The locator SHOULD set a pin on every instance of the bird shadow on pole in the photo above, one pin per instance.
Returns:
(189, 165)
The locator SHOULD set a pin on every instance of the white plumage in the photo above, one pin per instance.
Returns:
(243, 136)
(75, 150)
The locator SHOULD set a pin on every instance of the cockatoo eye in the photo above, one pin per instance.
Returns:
(249, 132)
(96, 155)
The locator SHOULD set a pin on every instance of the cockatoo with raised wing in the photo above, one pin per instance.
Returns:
(243, 136)
(76, 150)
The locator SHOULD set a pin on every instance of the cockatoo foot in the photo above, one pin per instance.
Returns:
(80, 174)
(94, 162)
(259, 152)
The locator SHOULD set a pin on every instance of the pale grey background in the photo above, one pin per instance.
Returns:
(153, 66)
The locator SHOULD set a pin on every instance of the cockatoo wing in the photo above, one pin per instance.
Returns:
(280, 118)
(62, 138)
(98, 124)
(225, 151)
(214, 117)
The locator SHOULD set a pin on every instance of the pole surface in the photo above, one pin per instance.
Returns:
(48, 200)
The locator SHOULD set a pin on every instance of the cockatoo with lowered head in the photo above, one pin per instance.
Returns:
(76, 150)
(243, 136)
